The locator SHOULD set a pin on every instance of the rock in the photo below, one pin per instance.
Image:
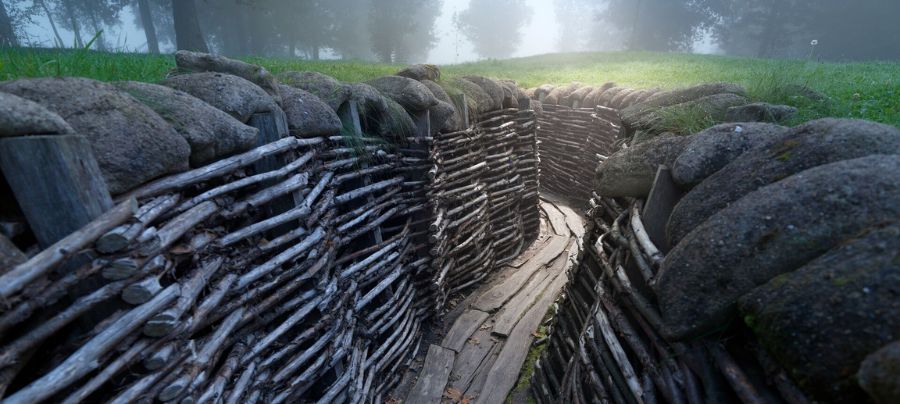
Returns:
(714, 148)
(421, 72)
(385, 115)
(821, 320)
(196, 62)
(631, 172)
(543, 91)
(637, 111)
(711, 108)
(478, 100)
(307, 115)
(578, 95)
(411, 94)
(236, 96)
(491, 88)
(878, 374)
(815, 143)
(211, 133)
(773, 230)
(21, 117)
(131, 143)
(329, 90)
(559, 93)
(759, 112)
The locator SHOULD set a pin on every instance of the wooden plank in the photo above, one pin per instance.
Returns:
(470, 359)
(513, 310)
(466, 324)
(573, 220)
(556, 219)
(662, 199)
(429, 387)
(538, 245)
(505, 370)
(481, 374)
(56, 181)
(494, 297)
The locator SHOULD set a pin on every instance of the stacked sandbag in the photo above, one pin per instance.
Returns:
(236, 96)
(559, 95)
(307, 115)
(196, 62)
(443, 114)
(630, 172)
(131, 143)
(329, 90)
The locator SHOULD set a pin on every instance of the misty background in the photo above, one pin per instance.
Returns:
(455, 31)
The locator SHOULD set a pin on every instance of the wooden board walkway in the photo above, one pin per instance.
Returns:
(482, 353)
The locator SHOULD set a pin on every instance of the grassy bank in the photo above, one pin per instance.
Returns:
(857, 90)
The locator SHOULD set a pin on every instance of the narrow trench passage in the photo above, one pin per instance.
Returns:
(484, 341)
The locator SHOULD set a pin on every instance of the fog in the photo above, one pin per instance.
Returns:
(457, 31)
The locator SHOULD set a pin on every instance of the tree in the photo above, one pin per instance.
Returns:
(7, 33)
(402, 31)
(148, 25)
(656, 25)
(493, 26)
(187, 29)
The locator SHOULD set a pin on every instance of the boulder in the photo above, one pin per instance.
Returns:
(211, 133)
(773, 230)
(132, 144)
(411, 94)
(329, 90)
(714, 148)
(815, 143)
(759, 112)
(196, 62)
(421, 72)
(878, 374)
(21, 117)
(821, 320)
(236, 96)
(478, 100)
(675, 97)
(307, 115)
(491, 87)
(382, 113)
(630, 172)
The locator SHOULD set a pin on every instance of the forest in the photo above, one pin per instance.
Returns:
(403, 31)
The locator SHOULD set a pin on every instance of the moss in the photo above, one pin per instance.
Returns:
(784, 156)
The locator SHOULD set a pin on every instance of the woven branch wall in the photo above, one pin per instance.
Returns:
(571, 142)
(302, 270)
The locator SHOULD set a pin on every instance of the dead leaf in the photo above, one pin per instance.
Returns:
(474, 341)
(453, 394)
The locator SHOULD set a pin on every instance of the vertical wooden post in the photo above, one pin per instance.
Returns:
(422, 120)
(56, 181)
(664, 195)
(272, 127)
(351, 116)
(463, 105)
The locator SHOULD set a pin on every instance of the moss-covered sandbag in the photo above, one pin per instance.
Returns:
(132, 144)
(630, 172)
(421, 72)
(236, 96)
(715, 147)
(773, 230)
(491, 87)
(212, 133)
(197, 62)
(560, 93)
(411, 94)
(307, 115)
(710, 108)
(821, 320)
(805, 146)
(633, 113)
(478, 100)
(21, 117)
(332, 92)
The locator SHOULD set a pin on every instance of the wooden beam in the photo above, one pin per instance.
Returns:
(463, 328)
(664, 195)
(429, 388)
(56, 181)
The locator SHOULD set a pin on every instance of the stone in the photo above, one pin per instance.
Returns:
(329, 90)
(491, 87)
(131, 143)
(806, 146)
(421, 72)
(387, 117)
(411, 94)
(197, 62)
(759, 112)
(307, 115)
(715, 147)
(211, 133)
(878, 374)
(21, 117)
(771, 231)
(630, 172)
(478, 100)
(710, 108)
(637, 111)
(822, 320)
(235, 96)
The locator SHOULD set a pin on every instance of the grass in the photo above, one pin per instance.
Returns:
(856, 90)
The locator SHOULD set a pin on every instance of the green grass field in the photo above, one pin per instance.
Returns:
(857, 90)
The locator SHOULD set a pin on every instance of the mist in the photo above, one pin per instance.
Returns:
(458, 31)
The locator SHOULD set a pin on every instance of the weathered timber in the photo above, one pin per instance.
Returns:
(462, 329)
(429, 388)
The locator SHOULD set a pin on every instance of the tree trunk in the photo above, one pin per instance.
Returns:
(149, 28)
(59, 41)
(74, 22)
(187, 28)
(7, 34)
(98, 30)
